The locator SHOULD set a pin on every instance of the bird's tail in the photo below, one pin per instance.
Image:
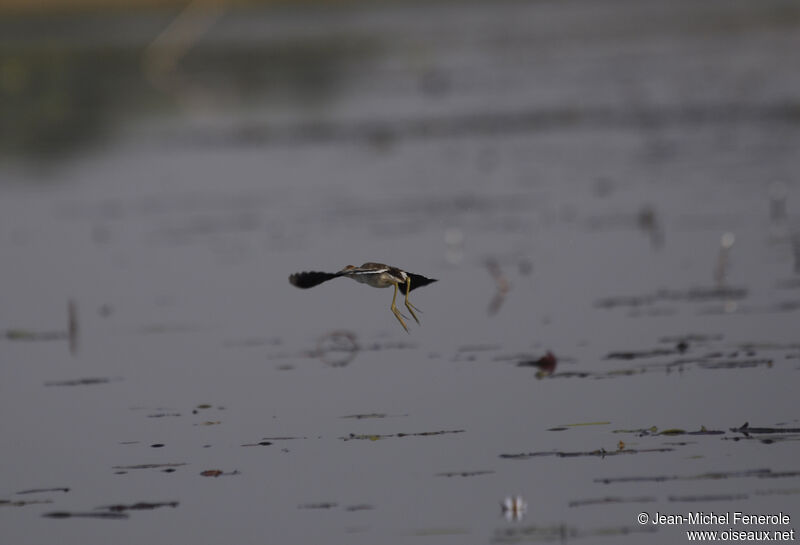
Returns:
(310, 279)
(417, 281)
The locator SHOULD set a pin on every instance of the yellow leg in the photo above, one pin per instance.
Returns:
(397, 312)
(411, 308)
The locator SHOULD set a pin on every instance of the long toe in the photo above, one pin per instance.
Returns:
(411, 310)
(400, 319)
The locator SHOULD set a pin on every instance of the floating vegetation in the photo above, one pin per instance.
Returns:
(546, 365)
(474, 473)
(28, 335)
(89, 381)
(318, 505)
(140, 506)
(691, 338)
(600, 453)
(204, 407)
(377, 436)
(359, 507)
(708, 497)
(752, 347)
(747, 429)
(771, 308)
(767, 440)
(259, 444)
(70, 334)
(323, 505)
(563, 533)
(637, 354)
(700, 294)
(667, 360)
(43, 490)
(363, 416)
(577, 374)
(565, 427)
(749, 473)
(168, 467)
(610, 499)
(647, 431)
(581, 424)
(22, 503)
(338, 350)
(653, 430)
(735, 363)
(779, 492)
(88, 514)
(219, 473)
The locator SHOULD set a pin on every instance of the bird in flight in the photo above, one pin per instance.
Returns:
(376, 275)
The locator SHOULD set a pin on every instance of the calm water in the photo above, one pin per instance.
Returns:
(613, 182)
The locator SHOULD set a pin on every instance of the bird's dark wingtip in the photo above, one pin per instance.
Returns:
(310, 279)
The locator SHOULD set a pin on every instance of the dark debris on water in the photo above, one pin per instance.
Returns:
(86, 514)
(112, 512)
(610, 499)
(219, 473)
(89, 381)
(140, 506)
(563, 533)
(699, 294)
(377, 436)
(601, 453)
(747, 429)
(708, 497)
(44, 490)
(22, 503)
(713, 475)
(318, 505)
(670, 431)
(775, 434)
(472, 473)
(167, 467)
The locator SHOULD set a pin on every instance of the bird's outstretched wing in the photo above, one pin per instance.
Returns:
(417, 281)
(310, 279)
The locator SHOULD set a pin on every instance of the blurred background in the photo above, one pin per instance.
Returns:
(591, 177)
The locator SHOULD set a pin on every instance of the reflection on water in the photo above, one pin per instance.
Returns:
(62, 93)
(56, 99)
(596, 346)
